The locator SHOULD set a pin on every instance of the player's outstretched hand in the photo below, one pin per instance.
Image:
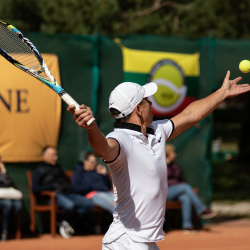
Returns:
(231, 88)
(82, 115)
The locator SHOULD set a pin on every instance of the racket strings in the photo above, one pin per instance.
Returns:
(18, 50)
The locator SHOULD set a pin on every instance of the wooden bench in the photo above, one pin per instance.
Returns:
(51, 206)
(53, 209)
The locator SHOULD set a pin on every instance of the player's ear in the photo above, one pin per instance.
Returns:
(138, 110)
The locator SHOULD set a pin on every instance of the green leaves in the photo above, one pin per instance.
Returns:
(189, 18)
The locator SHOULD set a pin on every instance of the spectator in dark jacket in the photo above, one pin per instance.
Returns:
(8, 206)
(49, 176)
(178, 189)
(93, 181)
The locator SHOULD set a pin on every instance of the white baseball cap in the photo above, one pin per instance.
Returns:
(127, 95)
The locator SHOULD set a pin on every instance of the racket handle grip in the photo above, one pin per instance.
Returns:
(69, 100)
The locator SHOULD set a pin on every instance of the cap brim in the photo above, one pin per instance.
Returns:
(150, 89)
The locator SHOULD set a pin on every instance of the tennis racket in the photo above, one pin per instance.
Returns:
(20, 51)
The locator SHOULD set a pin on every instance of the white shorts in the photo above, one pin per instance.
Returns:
(125, 243)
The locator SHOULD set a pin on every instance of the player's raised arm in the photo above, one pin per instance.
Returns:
(198, 110)
(107, 149)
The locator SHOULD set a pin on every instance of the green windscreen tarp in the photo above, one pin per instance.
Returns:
(91, 66)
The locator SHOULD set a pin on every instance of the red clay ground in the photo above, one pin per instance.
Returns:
(231, 235)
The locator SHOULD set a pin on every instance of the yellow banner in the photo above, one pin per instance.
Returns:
(141, 61)
(30, 112)
(176, 75)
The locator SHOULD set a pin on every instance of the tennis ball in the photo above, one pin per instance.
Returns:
(244, 66)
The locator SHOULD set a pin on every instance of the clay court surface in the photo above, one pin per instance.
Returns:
(226, 235)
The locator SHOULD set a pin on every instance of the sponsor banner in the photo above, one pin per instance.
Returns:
(30, 112)
(176, 74)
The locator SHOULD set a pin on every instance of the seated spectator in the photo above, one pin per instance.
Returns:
(9, 206)
(93, 181)
(49, 176)
(179, 190)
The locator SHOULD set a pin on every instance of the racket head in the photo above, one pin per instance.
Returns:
(22, 53)
(19, 48)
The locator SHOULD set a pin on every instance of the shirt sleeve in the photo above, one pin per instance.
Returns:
(124, 142)
(165, 126)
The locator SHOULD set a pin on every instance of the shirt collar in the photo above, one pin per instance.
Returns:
(132, 126)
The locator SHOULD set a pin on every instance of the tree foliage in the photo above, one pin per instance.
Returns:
(189, 18)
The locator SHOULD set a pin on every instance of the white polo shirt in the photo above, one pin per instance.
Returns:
(139, 175)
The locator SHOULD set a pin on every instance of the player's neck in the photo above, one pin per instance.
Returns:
(138, 121)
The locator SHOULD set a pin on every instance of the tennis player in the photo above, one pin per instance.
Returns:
(135, 155)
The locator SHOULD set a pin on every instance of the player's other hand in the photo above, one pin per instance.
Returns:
(82, 115)
(71, 109)
(231, 88)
